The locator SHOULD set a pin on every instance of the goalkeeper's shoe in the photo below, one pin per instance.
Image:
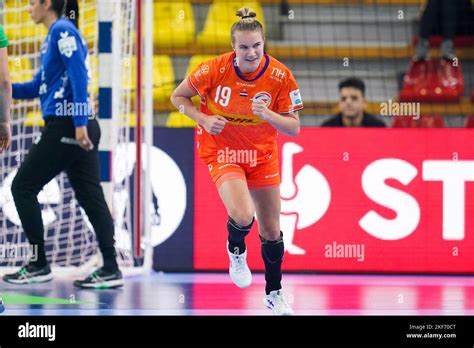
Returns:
(30, 274)
(101, 279)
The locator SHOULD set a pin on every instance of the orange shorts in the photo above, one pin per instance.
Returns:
(259, 175)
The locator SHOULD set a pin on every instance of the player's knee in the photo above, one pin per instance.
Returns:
(243, 218)
(269, 233)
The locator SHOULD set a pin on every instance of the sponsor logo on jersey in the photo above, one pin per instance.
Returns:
(243, 84)
(67, 44)
(265, 96)
(279, 73)
(204, 69)
(242, 120)
(271, 175)
(295, 97)
(245, 120)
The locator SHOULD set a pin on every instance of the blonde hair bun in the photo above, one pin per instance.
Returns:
(245, 13)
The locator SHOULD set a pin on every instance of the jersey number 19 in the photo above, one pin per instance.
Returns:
(223, 95)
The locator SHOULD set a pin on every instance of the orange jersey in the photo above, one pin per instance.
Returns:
(225, 91)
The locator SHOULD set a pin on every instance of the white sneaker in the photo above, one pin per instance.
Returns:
(277, 303)
(238, 270)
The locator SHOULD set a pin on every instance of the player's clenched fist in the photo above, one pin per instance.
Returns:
(214, 124)
(259, 108)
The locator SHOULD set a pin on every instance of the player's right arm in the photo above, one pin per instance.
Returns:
(181, 99)
(27, 90)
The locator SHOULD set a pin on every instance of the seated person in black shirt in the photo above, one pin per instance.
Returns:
(352, 104)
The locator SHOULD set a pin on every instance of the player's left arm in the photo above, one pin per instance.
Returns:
(288, 124)
(72, 55)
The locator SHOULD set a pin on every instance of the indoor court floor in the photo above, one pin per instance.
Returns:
(160, 293)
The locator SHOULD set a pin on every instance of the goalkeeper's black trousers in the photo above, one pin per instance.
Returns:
(57, 151)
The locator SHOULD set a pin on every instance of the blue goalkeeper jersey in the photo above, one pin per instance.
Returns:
(61, 81)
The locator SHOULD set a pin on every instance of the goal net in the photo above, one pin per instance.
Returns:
(69, 236)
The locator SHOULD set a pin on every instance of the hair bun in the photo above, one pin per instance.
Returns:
(246, 12)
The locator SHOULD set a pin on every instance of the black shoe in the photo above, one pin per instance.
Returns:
(30, 274)
(101, 279)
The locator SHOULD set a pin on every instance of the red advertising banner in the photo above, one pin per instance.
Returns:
(356, 200)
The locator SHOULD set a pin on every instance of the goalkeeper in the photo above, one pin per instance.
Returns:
(68, 143)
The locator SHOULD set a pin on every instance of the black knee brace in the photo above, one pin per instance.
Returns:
(237, 235)
(273, 250)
